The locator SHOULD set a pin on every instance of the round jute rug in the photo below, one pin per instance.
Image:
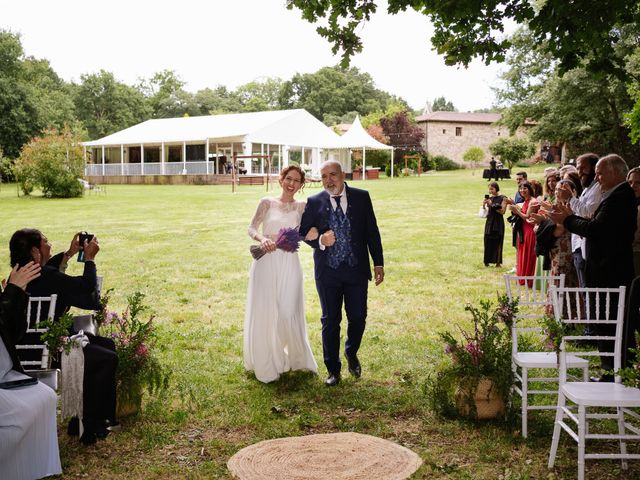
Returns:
(335, 456)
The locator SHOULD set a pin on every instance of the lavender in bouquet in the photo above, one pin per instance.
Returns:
(288, 240)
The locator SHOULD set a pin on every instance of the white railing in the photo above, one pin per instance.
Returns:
(170, 168)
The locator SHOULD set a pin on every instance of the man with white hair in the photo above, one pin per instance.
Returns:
(349, 236)
(609, 232)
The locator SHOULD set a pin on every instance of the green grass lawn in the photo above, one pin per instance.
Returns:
(186, 248)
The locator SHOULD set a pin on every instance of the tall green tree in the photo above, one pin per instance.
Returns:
(166, 96)
(105, 105)
(216, 101)
(441, 104)
(570, 31)
(18, 111)
(260, 95)
(52, 96)
(511, 150)
(333, 92)
(583, 109)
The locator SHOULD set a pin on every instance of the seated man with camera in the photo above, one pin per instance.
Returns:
(100, 359)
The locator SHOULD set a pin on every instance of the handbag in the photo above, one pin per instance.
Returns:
(483, 212)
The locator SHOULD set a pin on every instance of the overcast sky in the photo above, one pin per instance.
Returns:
(232, 42)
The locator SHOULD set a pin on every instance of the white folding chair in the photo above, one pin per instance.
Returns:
(601, 306)
(39, 368)
(531, 308)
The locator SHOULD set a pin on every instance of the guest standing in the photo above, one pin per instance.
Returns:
(494, 226)
(526, 241)
(633, 179)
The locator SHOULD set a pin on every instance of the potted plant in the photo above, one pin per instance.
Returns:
(135, 337)
(475, 379)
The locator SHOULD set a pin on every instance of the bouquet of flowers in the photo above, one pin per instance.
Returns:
(288, 240)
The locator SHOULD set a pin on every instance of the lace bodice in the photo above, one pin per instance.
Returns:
(273, 215)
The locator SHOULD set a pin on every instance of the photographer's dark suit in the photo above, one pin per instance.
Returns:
(99, 388)
(347, 281)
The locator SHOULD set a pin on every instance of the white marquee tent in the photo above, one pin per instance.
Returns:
(192, 145)
(357, 137)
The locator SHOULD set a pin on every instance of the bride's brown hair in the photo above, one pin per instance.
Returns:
(287, 169)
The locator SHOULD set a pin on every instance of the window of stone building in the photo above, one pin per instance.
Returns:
(458, 131)
(444, 131)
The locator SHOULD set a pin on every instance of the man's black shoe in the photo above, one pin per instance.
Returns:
(604, 378)
(354, 366)
(88, 438)
(332, 380)
(73, 428)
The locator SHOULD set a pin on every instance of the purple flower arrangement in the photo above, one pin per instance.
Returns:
(288, 239)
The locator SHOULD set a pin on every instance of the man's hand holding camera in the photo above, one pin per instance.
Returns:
(91, 248)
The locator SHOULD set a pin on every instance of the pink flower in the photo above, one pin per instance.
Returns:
(142, 350)
(474, 350)
(110, 317)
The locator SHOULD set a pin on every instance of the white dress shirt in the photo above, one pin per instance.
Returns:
(585, 207)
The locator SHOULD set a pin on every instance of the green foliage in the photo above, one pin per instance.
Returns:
(473, 155)
(105, 105)
(56, 338)
(441, 104)
(591, 36)
(138, 366)
(511, 150)
(631, 375)
(442, 162)
(18, 112)
(484, 352)
(333, 92)
(53, 162)
(553, 330)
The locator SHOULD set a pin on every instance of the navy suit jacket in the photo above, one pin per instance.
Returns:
(609, 237)
(365, 236)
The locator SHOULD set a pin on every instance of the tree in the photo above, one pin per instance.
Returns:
(582, 109)
(217, 101)
(52, 96)
(18, 111)
(473, 155)
(166, 96)
(511, 150)
(53, 163)
(441, 104)
(465, 29)
(403, 133)
(333, 92)
(260, 95)
(105, 105)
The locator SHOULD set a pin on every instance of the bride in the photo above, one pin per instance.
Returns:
(275, 329)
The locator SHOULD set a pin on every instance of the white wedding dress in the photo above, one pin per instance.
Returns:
(28, 434)
(275, 329)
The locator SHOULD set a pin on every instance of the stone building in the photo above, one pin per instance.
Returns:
(452, 133)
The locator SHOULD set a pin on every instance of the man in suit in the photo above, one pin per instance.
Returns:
(349, 234)
(608, 233)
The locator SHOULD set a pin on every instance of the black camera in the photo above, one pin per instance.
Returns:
(83, 237)
(486, 196)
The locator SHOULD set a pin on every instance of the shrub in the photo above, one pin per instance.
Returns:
(473, 155)
(445, 163)
(512, 150)
(54, 163)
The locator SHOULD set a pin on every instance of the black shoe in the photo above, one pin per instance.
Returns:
(102, 432)
(88, 438)
(73, 428)
(112, 425)
(354, 365)
(332, 380)
(603, 379)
